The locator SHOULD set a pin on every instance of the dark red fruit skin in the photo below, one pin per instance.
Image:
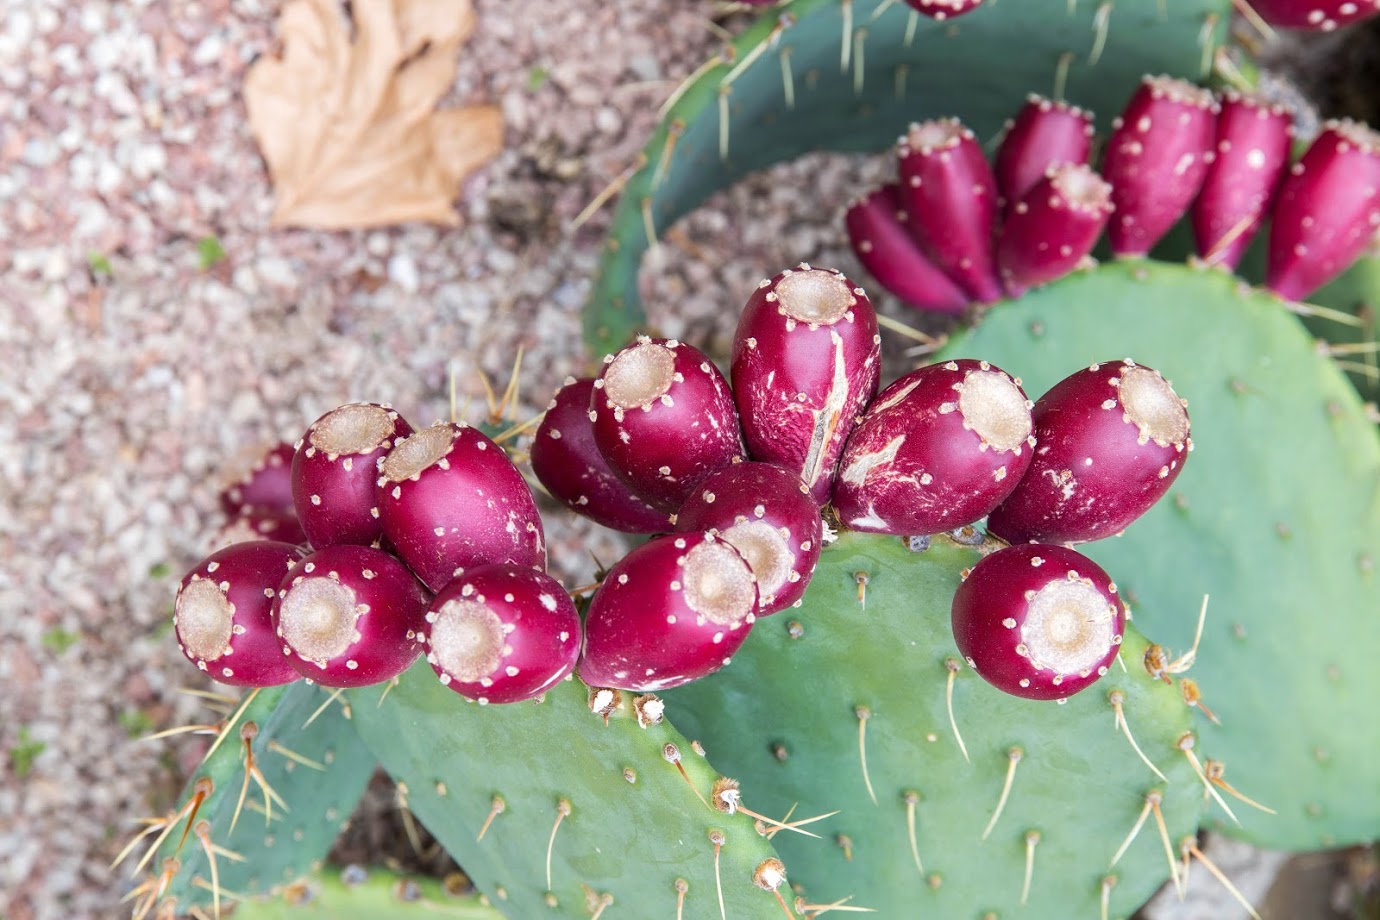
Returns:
(477, 499)
(247, 574)
(941, 10)
(265, 486)
(996, 589)
(1064, 498)
(1315, 15)
(950, 196)
(1327, 210)
(941, 475)
(541, 632)
(1156, 160)
(664, 448)
(1044, 134)
(751, 492)
(882, 241)
(334, 494)
(1253, 138)
(628, 628)
(1051, 230)
(261, 524)
(389, 632)
(799, 387)
(569, 465)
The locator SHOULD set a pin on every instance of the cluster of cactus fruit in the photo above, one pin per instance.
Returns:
(956, 231)
(430, 540)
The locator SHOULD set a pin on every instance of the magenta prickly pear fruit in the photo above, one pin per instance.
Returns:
(334, 469)
(1315, 15)
(502, 634)
(1043, 134)
(937, 449)
(768, 516)
(569, 465)
(267, 485)
(1110, 441)
(941, 10)
(1039, 622)
(673, 610)
(878, 231)
(1052, 228)
(1253, 138)
(806, 360)
(1327, 210)
(950, 197)
(221, 616)
(261, 524)
(663, 418)
(350, 616)
(1156, 159)
(450, 499)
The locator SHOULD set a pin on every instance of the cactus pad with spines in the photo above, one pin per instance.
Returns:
(632, 827)
(319, 772)
(815, 687)
(1277, 517)
(850, 75)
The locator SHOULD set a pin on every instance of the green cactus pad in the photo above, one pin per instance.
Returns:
(321, 783)
(859, 93)
(1276, 516)
(784, 715)
(633, 828)
(368, 895)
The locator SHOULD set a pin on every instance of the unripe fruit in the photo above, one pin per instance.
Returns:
(806, 360)
(334, 469)
(1044, 134)
(267, 486)
(350, 616)
(1110, 441)
(879, 232)
(673, 610)
(568, 464)
(663, 418)
(1039, 622)
(1327, 211)
(768, 516)
(937, 449)
(221, 617)
(950, 197)
(449, 499)
(1156, 159)
(501, 634)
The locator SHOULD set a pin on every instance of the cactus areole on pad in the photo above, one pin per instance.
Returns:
(806, 360)
(1040, 622)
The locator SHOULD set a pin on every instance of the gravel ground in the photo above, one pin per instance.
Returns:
(137, 379)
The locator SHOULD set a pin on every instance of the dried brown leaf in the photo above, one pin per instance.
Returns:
(346, 115)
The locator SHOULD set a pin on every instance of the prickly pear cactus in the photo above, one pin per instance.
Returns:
(367, 894)
(842, 704)
(850, 74)
(570, 806)
(301, 783)
(1277, 517)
